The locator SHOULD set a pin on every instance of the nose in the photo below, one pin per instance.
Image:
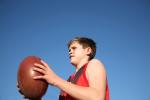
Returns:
(70, 51)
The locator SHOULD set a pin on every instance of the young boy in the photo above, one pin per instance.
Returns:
(90, 84)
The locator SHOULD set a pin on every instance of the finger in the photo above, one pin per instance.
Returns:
(44, 63)
(19, 90)
(17, 86)
(42, 71)
(21, 93)
(40, 66)
(23, 96)
(38, 77)
(26, 98)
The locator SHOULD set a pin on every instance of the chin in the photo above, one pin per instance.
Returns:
(72, 62)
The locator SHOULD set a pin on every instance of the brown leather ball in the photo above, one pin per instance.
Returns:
(32, 89)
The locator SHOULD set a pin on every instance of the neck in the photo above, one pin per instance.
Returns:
(82, 62)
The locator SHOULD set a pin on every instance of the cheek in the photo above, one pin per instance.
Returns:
(78, 57)
(79, 54)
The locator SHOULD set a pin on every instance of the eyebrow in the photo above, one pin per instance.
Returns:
(72, 47)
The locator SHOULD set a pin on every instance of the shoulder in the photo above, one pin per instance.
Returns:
(94, 63)
(95, 66)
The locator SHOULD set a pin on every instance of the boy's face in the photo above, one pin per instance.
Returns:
(76, 53)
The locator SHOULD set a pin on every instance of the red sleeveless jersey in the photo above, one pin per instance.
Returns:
(82, 81)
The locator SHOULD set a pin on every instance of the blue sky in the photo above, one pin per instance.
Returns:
(121, 29)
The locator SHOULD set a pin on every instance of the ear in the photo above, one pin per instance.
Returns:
(88, 50)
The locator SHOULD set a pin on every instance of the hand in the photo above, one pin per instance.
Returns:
(19, 90)
(47, 73)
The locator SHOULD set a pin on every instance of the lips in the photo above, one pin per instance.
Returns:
(71, 56)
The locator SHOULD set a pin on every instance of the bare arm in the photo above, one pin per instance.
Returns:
(96, 76)
(97, 84)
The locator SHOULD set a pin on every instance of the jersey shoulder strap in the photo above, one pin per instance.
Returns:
(78, 74)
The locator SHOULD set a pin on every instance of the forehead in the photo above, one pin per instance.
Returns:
(74, 44)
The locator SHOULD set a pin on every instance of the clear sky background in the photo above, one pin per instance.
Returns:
(121, 29)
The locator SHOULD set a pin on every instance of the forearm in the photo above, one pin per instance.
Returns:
(79, 92)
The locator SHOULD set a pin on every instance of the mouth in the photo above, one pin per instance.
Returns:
(71, 57)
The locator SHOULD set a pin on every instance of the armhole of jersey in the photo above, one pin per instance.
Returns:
(84, 74)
